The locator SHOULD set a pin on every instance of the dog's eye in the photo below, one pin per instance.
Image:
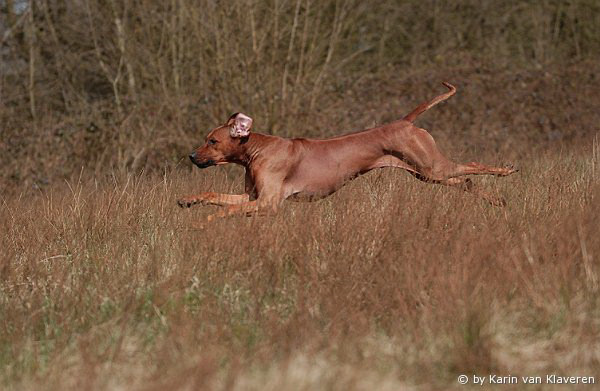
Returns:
(212, 141)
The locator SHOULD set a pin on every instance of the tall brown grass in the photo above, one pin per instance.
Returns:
(388, 284)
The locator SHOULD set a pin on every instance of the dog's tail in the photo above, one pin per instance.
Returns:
(428, 105)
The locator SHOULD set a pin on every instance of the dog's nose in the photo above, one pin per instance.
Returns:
(192, 156)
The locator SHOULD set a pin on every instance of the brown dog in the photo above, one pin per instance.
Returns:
(306, 169)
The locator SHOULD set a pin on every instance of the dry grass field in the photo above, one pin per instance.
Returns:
(388, 284)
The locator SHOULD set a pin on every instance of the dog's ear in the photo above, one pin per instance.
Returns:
(239, 125)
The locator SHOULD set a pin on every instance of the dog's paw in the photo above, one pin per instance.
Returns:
(500, 202)
(509, 169)
(185, 202)
(496, 201)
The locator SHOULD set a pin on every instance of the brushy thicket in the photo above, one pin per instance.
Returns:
(388, 284)
(125, 85)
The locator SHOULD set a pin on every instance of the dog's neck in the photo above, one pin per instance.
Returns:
(252, 148)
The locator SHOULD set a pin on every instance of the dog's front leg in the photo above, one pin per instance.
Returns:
(218, 199)
(248, 208)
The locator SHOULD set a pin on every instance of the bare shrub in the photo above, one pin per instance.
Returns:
(124, 85)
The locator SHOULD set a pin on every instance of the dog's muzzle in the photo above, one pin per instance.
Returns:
(204, 164)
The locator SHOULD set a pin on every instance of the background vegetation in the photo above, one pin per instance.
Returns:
(388, 284)
(128, 86)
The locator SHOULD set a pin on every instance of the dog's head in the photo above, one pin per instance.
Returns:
(224, 144)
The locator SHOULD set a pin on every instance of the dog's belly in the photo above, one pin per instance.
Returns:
(317, 186)
(324, 168)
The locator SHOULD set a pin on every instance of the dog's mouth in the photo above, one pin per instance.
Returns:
(204, 164)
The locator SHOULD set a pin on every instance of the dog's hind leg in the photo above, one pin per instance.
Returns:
(475, 168)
